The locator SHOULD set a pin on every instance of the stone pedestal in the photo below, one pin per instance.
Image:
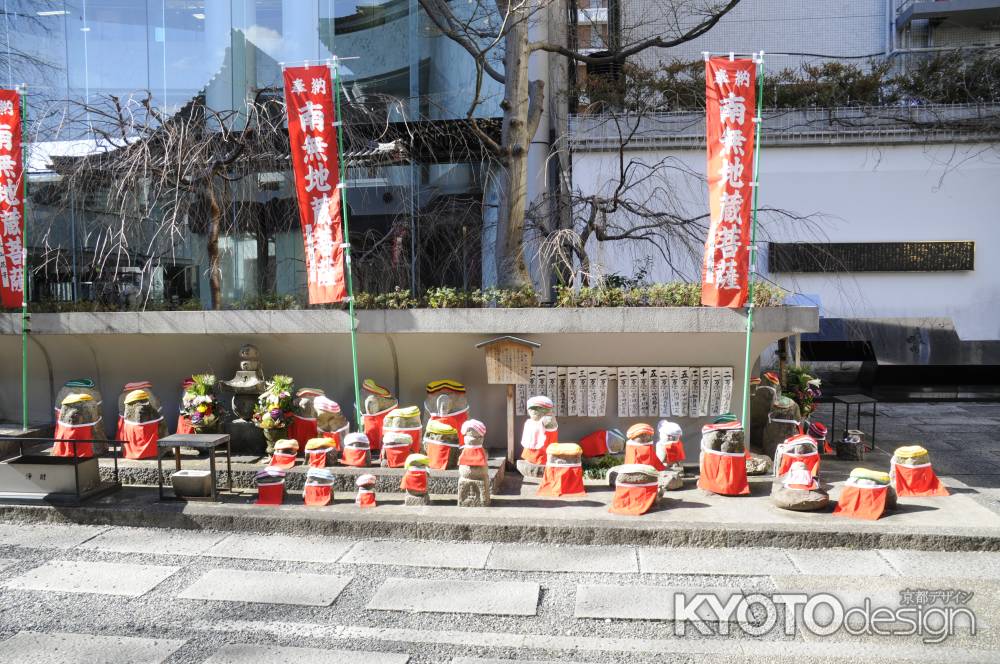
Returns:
(245, 438)
(528, 469)
(760, 406)
(414, 499)
(670, 480)
(775, 433)
(798, 500)
(473, 486)
(758, 464)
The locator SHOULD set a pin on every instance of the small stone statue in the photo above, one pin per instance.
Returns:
(78, 421)
(783, 422)
(330, 422)
(798, 490)
(473, 471)
(126, 390)
(318, 490)
(303, 425)
(414, 481)
(79, 386)
(640, 448)
(722, 460)
(761, 397)
(285, 454)
(378, 402)
(357, 450)
(852, 446)
(321, 452)
(441, 445)
(867, 494)
(396, 447)
(142, 424)
(270, 486)
(540, 430)
(669, 446)
(911, 473)
(446, 402)
(799, 447)
(637, 489)
(563, 471)
(366, 490)
(248, 383)
(405, 420)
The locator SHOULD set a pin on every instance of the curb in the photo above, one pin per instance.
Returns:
(397, 526)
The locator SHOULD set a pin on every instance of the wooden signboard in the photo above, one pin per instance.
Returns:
(508, 362)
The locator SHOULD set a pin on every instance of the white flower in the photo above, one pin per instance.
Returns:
(815, 382)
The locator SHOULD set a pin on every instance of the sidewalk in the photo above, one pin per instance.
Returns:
(960, 438)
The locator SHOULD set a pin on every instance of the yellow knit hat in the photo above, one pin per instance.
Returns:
(76, 397)
(136, 395)
(441, 428)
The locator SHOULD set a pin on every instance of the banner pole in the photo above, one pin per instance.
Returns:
(347, 245)
(758, 120)
(21, 89)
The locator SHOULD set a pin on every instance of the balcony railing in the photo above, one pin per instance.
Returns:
(973, 12)
(812, 126)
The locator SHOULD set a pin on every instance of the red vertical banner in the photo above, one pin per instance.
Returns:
(13, 254)
(730, 105)
(312, 132)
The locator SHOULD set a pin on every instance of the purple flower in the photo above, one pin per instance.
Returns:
(196, 417)
(275, 413)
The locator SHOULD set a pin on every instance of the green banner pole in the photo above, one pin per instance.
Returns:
(347, 245)
(21, 90)
(752, 277)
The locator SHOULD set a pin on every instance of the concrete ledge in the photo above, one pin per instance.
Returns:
(787, 320)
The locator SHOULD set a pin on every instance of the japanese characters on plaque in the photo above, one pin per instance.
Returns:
(641, 391)
(312, 134)
(13, 253)
(730, 102)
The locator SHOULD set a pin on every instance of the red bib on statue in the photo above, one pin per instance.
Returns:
(438, 454)
(317, 495)
(634, 499)
(184, 425)
(317, 458)
(472, 456)
(395, 455)
(414, 480)
(120, 430)
(862, 502)
(646, 454)
(415, 434)
(334, 436)
(562, 481)
(140, 439)
(535, 439)
(724, 474)
(282, 460)
(674, 452)
(270, 494)
(302, 429)
(914, 481)
(810, 460)
(373, 427)
(595, 444)
(454, 420)
(74, 432)
(365, 499)
(354, 457)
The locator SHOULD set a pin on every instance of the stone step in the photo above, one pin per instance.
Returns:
(142, 472)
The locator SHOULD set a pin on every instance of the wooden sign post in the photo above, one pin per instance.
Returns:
(508, 362)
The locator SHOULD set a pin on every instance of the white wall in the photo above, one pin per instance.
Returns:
(856, 194)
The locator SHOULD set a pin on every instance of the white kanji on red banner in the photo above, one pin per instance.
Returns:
(731, 98)
(12, 249)
(312, 135)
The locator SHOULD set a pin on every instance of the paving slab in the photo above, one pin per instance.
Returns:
(154, 541)
(234, 585)
(460, 555)
(500, 598)
(639, 602)
(690, 560)
(71, 576)
(598, 559)
(840, 562)
(280, 548)
(46, 536)
(935, 564)
(67, 648)
(246, 653)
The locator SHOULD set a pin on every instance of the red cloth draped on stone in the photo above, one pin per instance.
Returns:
(438, 453)
(472, 456)
(724, 473)
(184, 425)
(644, 453)
(634, 499)
(354, 457)
(415, 480)
(366, 498)
(535, 439)
(302, 429)
(914, 481)
(270, 494)
(862, 502)
(140, 438)
(373, 426)
(317, 495)
(454, 420)
(562, 481)
(74, 432)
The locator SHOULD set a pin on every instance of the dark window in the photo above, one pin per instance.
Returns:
(871, 256)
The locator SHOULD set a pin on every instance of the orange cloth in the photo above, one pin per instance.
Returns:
(373, 427)
(917, 481)
(472, 456)
(675, 452)
(271, 494)
(184, 425)
(317, 495)
(414, 480)
(74, 432)
(302, 429)
(282, 460)
(861, 502)
(317, 458)
(562, 481)
(634, 499)
(535, 439)
(415, 434)
(724, 474)
(335, 436)
(438, 453)
(354, 457)
(595, 444)
(643, 453)
(120, 430)
(140, 438)
(366, 498)
(395, 455)
(454, 420)
(786, 460)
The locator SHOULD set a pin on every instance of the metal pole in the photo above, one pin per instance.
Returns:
(347, 245)
(753, 250)
(22, 89)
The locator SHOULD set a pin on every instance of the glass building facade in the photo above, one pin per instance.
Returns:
(75, 56)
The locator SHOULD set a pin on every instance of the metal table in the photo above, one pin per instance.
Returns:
(199, 441)
(856, 400)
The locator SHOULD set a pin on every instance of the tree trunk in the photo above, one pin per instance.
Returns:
(212, 246)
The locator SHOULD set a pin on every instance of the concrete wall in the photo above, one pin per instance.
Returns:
(403, 349)
(851, 193)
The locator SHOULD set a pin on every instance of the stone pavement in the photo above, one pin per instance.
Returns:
(84, 595)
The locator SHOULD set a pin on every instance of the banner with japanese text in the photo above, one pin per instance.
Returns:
(730, 105)
(12, 250)
(312, 133)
